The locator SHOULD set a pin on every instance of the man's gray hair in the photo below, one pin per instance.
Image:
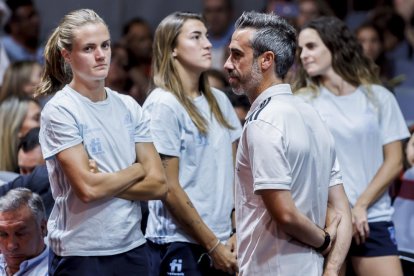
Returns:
(18, 197)
(273, 33)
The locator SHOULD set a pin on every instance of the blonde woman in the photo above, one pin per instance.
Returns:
(17, 117)
(195, 130)
(20, 79)
(94, 227)
(367, 125)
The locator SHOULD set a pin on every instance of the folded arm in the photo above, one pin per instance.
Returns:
(90, 186)
(153, 185)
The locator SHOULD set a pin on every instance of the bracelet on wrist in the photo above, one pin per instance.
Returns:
(233, 231)
(214, 247)
(325, 244)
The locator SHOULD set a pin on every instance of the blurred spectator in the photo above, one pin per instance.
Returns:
(403, 212)
(310, 9)
(137, 38)
(29, 154)
(285, 8)
(372, 42)
(23, 28)
(219, 16)
(20, 79)
(37, 182)
(217, 79)
(33, 170)
(397, 49)
(405, 8)
(117, 78)
(17, 117)
(4, 59)
(241, 105)
(23, 229)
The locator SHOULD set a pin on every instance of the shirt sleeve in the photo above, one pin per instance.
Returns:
(267, 156)
(336, 177)
(58, 130)
(165, 128)
(392, 123)
(142, 132)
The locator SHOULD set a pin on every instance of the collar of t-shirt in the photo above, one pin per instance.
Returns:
(273, 90)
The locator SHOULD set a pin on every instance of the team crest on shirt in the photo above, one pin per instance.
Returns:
(95, 146)
(176, 267)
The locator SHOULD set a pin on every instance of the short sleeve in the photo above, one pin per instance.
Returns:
(392, 123)
(267, 154)
(164, 128)
(58, 130)
(142, 125)
(336, 177)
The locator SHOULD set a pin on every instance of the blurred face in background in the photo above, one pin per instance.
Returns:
(370, 42)
(218, 16)
(29, 88)
(32, 118)
(139, 41)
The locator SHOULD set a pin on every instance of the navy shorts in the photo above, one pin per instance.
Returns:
(133, 262)
(381, 241)
(181, 259)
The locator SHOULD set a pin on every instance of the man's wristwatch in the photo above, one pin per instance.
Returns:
(325, 244)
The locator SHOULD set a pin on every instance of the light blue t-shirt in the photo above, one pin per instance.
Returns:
(206, 170)
(108, 130)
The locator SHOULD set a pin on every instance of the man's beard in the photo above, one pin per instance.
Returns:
(248, 83)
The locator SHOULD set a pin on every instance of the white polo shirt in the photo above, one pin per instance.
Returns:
(284, 145)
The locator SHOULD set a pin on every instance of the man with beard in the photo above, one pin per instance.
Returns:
(291, 208)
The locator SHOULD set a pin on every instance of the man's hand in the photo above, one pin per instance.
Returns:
(331, 229)
(232, 243)
(360, 224)
(224, 259)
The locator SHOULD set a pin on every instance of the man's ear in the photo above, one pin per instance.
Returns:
(65, 54)
(267, 60)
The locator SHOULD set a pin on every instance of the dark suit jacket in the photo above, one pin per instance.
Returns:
(38, 182)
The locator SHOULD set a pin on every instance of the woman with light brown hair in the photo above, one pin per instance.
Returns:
(17, 117)
(195, 129)
(365, 120)
(20, 79)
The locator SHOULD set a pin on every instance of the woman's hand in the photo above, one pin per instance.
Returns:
(360, 224)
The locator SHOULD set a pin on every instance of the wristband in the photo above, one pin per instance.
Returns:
(233, 231)
(325, 244)
(214, 247)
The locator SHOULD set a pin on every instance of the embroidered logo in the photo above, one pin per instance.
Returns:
(95, 146)
(175, 267)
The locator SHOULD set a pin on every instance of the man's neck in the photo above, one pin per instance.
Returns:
(265, 84)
